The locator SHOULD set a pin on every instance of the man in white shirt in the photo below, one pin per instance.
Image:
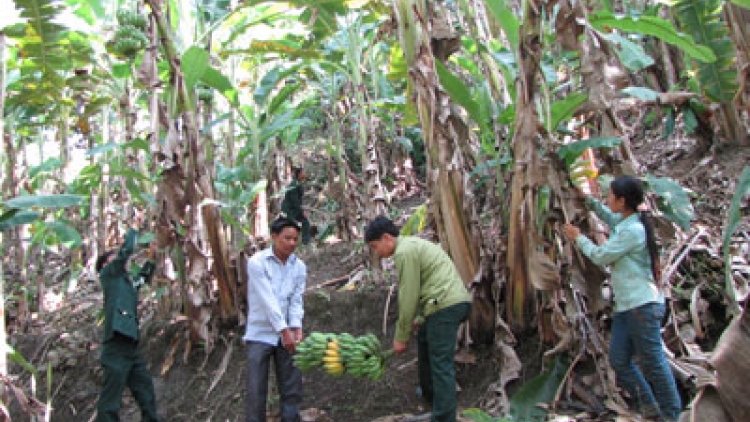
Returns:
(276, 285)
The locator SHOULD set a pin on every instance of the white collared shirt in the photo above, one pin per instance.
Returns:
(274, 296)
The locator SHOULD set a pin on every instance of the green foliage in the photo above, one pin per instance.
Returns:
(321, 15)
(44, 50)
(703, 20)
(734, 217)
(397, 68)
(44, 201)
(103, 149)
(632, 55)
(196, 67)
(506, 60)
(89, 178)
(540, 389)
(478, 415)
(742, 3)
(270, 81)
(507, 19)
(194, 63)
(645, 94)
(49, 165)
(18, 358)
(654, 26)
(416, 222)
(62, 233)
(564, 109)
(43, 33)
(15, 217)
(460, 93)
(689, 120)
(674, 201)
(89, 11)
(214, 10)
(569, 153)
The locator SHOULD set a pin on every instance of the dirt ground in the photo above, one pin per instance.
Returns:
(209, 387)
(195, 385)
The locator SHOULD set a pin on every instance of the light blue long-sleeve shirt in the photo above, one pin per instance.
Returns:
(274, 296)
(627, 254)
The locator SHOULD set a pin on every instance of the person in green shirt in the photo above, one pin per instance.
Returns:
(122, 362)
(633, 256)
(291, 206)
(430, 291)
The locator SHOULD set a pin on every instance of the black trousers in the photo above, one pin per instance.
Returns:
(124, 367)
(288, 380)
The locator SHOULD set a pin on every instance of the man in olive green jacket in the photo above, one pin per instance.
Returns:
(291, 206)
(431, 289)
(123, 364)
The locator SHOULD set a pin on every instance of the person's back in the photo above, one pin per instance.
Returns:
(291, 205)
(440, 284)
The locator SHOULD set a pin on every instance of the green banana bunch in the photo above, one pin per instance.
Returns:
(205, 94)
(129, 39)
(311, 350)
(343, 354)
(127, 17)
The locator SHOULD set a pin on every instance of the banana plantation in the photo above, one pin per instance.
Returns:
(470, 123)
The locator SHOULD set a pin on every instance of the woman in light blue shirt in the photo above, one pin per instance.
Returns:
(633, 256)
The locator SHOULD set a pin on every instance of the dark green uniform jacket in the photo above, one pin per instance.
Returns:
(292, 203)
(120, 294)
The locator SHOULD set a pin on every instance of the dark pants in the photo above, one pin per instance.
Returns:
(302, 220)
(436, 348)
(125, 367)
(637, 332)
(288, 380)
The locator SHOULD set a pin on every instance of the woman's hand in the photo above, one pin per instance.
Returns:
(571, 232)
(153, 247)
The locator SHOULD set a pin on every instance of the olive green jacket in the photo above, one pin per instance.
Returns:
(120, 293)
(428, 281)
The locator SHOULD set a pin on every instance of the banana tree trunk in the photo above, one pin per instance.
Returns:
(186, 196)
(8, 164)
(738, 22)
(373, 189)
(524, 145)
(426, 37)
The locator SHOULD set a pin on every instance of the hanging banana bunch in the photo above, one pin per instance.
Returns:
(130, 37)
(342, 354)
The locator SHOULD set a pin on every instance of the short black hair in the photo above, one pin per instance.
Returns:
(378, 227)
(296, 171)
(281, 223)
(101, 261)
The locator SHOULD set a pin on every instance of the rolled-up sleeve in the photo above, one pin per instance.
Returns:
(603, 211)
(296, 301)
(259, 284)
(619, 244)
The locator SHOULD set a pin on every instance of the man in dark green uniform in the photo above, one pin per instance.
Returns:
(430, 291)
(291, 206)
(123, 364)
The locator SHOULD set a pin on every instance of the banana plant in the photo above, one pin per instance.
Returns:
(734, 217)
(194, 217)
(450, 209)
(717, 80)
